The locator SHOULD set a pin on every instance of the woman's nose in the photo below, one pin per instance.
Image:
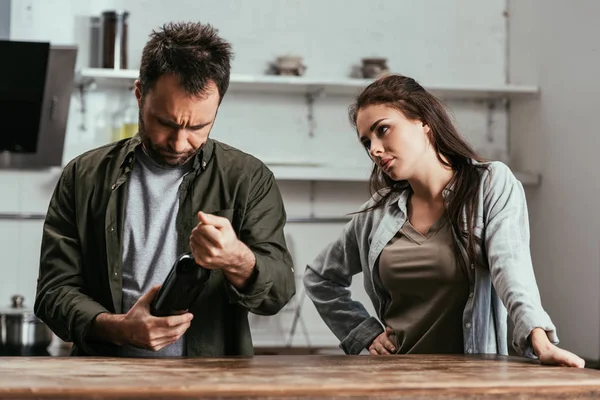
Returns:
(376, 149)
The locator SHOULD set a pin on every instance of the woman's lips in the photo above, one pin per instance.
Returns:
(385, 164)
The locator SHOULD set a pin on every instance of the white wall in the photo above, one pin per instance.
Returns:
(555, 43)
(5, 19)
(435, 41)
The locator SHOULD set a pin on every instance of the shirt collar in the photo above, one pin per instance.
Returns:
(201, 159)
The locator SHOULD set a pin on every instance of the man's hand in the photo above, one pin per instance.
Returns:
(139, 328)
(215, 245)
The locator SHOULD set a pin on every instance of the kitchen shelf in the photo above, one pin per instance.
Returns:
(528, 178)
(39, 216)
(305, 85)
(292, 84)
(348, 174)
(296, 173)
(319, 173)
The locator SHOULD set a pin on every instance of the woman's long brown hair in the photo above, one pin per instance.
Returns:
(406, 95)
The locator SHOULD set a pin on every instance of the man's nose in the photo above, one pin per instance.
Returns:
(179, 141)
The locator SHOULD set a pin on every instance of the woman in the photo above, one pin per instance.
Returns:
(443, 243)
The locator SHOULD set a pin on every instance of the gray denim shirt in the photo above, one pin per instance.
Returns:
(501, 278)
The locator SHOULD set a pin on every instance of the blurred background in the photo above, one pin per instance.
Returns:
(518, 76)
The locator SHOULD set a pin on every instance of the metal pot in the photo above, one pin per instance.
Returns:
(21, 329)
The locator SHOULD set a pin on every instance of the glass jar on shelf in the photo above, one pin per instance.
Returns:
(129, 123)
(116, 125)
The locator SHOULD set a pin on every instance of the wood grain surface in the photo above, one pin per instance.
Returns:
(404, 376)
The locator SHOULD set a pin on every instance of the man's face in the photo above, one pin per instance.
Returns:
(173, 124)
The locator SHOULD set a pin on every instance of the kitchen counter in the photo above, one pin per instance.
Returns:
(408, 376)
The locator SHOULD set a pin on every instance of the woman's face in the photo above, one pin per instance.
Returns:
(395, 143)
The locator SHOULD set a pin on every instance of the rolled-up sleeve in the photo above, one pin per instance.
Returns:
(327, 280)
(509, 258)
(61, 299)
(272, 284)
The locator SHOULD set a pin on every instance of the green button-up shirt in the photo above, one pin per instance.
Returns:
(80, 272)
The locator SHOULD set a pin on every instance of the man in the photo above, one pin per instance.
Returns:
(121, 215)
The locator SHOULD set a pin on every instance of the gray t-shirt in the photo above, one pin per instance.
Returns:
(150, 237)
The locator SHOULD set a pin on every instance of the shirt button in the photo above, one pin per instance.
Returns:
(468, 325)
(472, 266)
(471, 294)
(469, 351)
(116, 273)
(203, 164)
(112, 228)
(113, 186)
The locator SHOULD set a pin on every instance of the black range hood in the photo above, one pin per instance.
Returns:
(36, 82)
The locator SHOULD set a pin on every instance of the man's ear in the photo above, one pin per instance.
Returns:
(138, 92)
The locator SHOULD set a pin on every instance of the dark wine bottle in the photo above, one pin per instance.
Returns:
(181, 288)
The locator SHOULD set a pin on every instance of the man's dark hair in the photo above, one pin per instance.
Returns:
(192, 51)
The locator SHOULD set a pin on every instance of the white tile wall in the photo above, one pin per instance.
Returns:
(9, 234)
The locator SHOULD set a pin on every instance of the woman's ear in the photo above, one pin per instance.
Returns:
(426, 127)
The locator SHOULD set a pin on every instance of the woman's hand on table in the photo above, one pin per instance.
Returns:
(382, 345)
(551, 354)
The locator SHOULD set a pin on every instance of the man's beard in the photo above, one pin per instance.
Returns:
(160, 153)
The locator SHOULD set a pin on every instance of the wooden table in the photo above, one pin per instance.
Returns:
(412, 376)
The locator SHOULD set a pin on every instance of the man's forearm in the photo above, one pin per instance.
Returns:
(241, 273)
(106, 327)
